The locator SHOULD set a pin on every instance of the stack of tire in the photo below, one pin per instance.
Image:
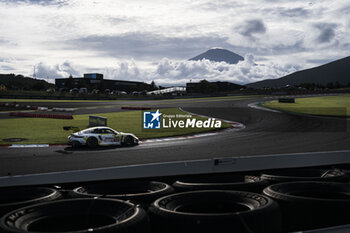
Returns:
(149, 206)
(344, 168)
(275, 202)
(310, 198)
(104, 207)
(17, 197)
(195, 211)
(216, 203)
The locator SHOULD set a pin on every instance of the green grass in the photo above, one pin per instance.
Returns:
(50, 131)
(324, 106)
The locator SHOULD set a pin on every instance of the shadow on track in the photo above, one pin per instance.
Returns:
(70, 150)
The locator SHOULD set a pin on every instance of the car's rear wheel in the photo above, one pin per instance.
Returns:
(91, 142)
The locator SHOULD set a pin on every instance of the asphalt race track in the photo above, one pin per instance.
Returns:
(265, 133)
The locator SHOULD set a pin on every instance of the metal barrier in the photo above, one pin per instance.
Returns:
(205, 166)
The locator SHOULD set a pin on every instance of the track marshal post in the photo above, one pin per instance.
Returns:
(97, 121)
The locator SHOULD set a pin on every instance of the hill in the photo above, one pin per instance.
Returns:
(19, 82)
(334, 72)
(219, 55)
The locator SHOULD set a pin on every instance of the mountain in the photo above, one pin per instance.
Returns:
(334, 72)
(219, 55)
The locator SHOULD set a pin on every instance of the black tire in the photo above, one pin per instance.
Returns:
(138, 192)
(221, 182)
(92, 142)
(215, 211)
(14, 198)
(76, 144)
(77, 215)
(128, 141)
(343, 167)
(304, 174)
(311, 205)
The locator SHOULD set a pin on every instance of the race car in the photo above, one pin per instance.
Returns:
(101, 136)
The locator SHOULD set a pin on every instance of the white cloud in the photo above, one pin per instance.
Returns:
(169, 72)
(34, 31)
(126, 70)
(252, 27)
(64, 70)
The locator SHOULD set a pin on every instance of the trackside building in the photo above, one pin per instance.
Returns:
(211, 87)
(95, 81)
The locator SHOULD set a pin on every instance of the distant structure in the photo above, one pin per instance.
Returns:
(95, 81)
(177, 91)
(34, 72)
(206, 87)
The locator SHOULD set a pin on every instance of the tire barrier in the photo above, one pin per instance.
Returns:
(138, 192)
(18, 106)
(135, 108)
(286, 100)
(63, 109)
(215, 211)
(17, 197)
(221, 182)
(344, 168)
(77, 215)
(311, 205)
(26, 107)
(304, 174)
(40, 115)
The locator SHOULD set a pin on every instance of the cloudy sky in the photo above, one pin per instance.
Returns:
(153, 39)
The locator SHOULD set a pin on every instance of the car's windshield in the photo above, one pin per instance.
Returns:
(86, 131)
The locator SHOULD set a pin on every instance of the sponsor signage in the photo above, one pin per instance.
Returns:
(151, 120)
(157, 120)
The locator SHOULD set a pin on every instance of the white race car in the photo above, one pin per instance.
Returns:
(101, 136)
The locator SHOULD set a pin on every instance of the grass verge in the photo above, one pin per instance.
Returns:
(322, 106)
(50, 131)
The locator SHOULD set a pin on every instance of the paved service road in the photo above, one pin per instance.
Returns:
(265, 133)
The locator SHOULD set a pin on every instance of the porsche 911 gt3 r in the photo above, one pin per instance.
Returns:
(101, 136)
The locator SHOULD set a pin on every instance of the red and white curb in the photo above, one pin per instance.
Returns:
(256, 106)
(30, 145)
(175, 138)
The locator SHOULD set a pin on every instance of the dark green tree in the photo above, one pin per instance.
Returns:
(153, 86)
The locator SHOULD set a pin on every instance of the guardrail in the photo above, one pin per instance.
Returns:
(135, 108)
(40, 115)
(205, 166)
(286, 100)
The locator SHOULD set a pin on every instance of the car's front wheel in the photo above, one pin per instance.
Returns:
(92, 142)
(75, 144)
(128, 141)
